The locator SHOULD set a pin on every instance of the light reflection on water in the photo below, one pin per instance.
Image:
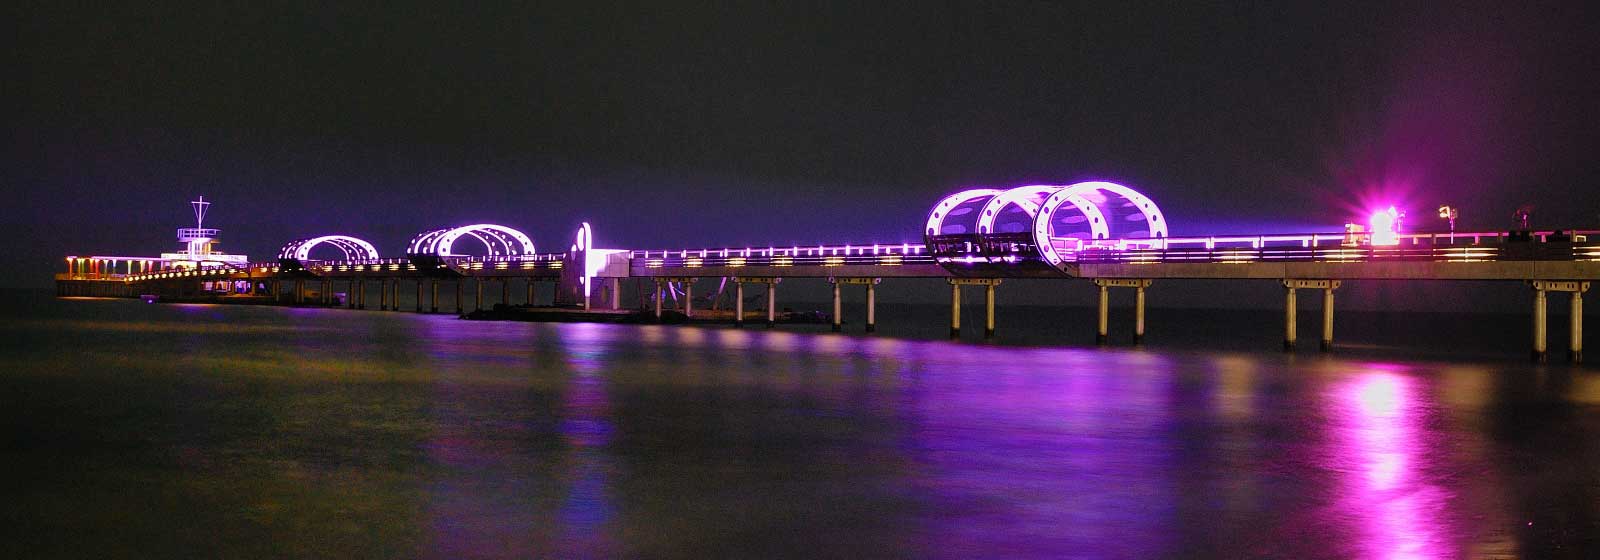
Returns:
(583, 440)
(1379, 425)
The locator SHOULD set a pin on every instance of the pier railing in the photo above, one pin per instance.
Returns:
(1554, 245)
(1332, 247)
(815, 255)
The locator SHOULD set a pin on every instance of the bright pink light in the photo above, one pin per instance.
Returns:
(1385, 227)
(1381, 453)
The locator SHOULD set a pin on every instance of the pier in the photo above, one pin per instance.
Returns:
(1097, 234)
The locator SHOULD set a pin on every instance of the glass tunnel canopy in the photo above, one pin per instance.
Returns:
(1034, 223)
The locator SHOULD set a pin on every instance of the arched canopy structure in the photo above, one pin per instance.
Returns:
(1119, 213)
(499, 240)
(1027, 202)
(982, 227)
(353, 248)
(960, 206)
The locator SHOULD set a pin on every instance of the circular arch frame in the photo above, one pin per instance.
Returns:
(353, 248)
(936, 217)
(1076, 195)
(1022, 197)
(500, 240)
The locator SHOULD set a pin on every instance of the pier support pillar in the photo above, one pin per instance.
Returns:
(988, 307)
(350, 294)
(838, 308)
(1291, 328)
(433, 299)
(872, 307)
(688, 298)
(616, 294)
(1291, 318)
(299, 292)
(738, 303)
(419, 295)
(383, 294)
(955, 310)
(1138, 316)
(1102, 333)
(772, 302)
(1575, 347)
(665, 283)
(529, 299)
(1539, 311)
(1575, 344)
(658, 299)
(361, 288)
(989, 285)
(1327, 320)
(461, 296)
(477, 302)
(505, 291)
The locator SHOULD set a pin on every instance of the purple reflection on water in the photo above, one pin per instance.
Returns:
(1037, 451)
(480, 504)
(521, 433)
(1396, 513)
(586, 426)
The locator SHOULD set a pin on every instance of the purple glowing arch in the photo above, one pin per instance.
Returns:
(1061, 219)
(1030, 200)
(354, 249)
(951, 206)
(499, 240)
(1120, 213)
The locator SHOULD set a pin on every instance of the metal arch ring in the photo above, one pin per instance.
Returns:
(352, 248)
(1152, 213)
(499, 239)
(940, 211)
(1018, 196)
(1042, 222)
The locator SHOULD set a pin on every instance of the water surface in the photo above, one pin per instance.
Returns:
(221, 431)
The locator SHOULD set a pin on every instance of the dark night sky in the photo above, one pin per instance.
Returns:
(667, 125)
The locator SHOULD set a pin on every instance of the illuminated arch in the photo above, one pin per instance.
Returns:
(353, 248)
(500, 240)
(1120, 212)
(1031, 200)
(424, 240)
(950, 204)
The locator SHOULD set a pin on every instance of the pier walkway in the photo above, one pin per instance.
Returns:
(1100, 232)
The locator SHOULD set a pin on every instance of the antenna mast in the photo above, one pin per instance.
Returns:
(200, 211)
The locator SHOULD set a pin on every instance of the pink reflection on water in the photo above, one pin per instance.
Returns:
(1036, 453)
(1381, 450)
(587, 427)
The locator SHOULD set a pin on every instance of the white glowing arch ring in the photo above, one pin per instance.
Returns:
(1074, 194)
(1020, 196)
(942, 209)
(353, 248)
(500, 240)
(424, 243)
